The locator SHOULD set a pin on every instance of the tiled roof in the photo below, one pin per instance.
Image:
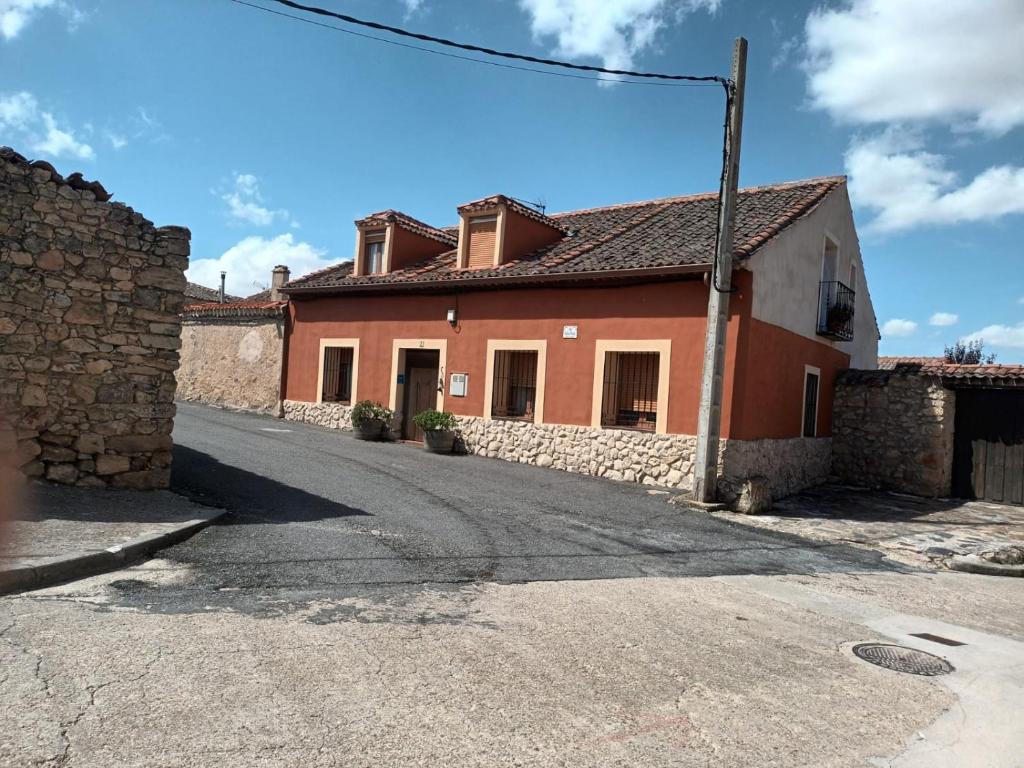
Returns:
(238, 308)
(523, 210)
(937, 366)
(202, 293)
(408, 222)
(887, 363)
(655, 236)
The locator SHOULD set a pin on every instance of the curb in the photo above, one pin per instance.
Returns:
(52, 571)
(975, 564)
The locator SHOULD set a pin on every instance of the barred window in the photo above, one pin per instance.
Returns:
(810, 404)
(514, 393)
(630, 393)
(337, 386)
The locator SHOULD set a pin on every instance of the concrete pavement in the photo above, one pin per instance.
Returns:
(378, 606)
(68, 533)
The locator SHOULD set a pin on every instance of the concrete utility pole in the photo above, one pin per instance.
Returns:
(709, 419)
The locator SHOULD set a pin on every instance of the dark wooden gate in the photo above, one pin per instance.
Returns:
(988, 445)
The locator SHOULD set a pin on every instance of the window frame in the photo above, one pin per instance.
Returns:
(810, 370)
(540, 346)
(352, 344)
(664, 349)
(376, 245)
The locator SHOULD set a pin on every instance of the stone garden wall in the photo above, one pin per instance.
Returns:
(232, 361)
(636, 457)
(90, 296)
(893, 430)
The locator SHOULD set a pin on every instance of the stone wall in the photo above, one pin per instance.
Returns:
(232, 361)
(636, 457)
(893, 430)
(90, 296)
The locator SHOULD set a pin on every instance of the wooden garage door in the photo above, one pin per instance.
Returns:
(988, 449)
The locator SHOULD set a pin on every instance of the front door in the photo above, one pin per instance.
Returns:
(421, 377)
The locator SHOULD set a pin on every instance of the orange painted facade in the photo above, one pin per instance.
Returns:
(763, 393)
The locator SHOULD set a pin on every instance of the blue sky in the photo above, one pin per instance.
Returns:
(268, 137)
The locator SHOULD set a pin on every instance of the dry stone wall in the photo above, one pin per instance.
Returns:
(893, 430)
(90, 300)
(232, 362)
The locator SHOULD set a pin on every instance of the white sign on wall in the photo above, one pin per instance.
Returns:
(570, 331)
(459, 385)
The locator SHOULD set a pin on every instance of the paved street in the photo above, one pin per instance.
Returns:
(371, 604)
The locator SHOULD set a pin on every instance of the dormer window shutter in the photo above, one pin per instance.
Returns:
(483, 236)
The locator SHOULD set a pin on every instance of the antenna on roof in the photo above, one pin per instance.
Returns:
(538, 205)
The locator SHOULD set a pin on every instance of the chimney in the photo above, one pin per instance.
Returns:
(279, 278)
(223, 277)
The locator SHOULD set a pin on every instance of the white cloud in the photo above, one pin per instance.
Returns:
(1020, 300)
(411, 6)
(21, 117)
(614, 31)
(16, 14)
(249, 263)
(117, 141)
(891, 174)
(1000, 336)
(899, 327)
(943, 319)
(958, 61)
(245, 203)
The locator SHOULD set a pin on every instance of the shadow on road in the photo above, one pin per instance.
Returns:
(250, 497)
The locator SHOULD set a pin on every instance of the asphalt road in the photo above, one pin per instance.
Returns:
(316, 511)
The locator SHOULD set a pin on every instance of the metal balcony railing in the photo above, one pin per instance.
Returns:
(835, 311)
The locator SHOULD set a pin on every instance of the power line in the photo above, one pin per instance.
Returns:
(709, 82)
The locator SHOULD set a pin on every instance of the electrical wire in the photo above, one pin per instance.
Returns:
(491, 51)
(699, 84)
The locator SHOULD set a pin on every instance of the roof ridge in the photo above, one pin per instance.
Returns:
(703, 195)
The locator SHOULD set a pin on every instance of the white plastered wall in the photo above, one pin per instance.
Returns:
(787, 275)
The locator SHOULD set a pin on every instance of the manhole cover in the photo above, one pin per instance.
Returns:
(901, 659)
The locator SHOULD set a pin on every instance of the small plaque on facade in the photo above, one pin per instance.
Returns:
(570, 331)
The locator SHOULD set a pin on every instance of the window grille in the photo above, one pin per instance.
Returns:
(630, 392)
(514, 392)
(811, 405)
(337, 386)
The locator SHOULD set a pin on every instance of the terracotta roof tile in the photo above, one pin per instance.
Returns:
(937, 366)
(408, 222)
(202, 293)
(241, 308)
(654, 234)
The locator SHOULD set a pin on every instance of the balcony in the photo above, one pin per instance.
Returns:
(835, 311)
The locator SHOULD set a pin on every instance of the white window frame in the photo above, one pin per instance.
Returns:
(808, 371)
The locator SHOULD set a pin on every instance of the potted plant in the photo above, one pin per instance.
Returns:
(838, 316)
(370, 420)
(438, 430)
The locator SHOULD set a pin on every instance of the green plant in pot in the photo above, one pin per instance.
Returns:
(370, 420)
(838, 316)
(439, 429)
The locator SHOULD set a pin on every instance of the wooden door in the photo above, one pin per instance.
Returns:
(420, 394)
(988, 445)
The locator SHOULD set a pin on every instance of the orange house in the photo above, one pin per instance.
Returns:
(575, 340)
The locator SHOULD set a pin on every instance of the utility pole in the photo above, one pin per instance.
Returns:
(709, 419)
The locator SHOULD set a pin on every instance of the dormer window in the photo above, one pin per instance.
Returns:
(374, 256)
(497, 230)
(389, 241)
(483, 237)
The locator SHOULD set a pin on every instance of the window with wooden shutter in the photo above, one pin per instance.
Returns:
(483, 235)
(630, 390)
(337, 387)
(514, 394)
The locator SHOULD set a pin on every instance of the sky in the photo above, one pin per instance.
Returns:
(268, 137)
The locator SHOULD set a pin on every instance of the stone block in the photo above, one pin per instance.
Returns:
(755, 496)
(112, 464)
